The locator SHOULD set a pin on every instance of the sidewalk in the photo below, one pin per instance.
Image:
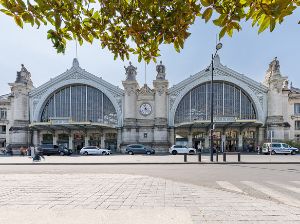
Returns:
(145, 159)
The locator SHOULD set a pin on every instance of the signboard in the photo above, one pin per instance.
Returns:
(60, 120)
(224, 119)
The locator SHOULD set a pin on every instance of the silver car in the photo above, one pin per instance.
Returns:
(94, 150)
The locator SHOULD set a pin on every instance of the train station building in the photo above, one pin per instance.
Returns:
(77, 108)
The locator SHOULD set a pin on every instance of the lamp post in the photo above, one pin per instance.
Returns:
(218, 47)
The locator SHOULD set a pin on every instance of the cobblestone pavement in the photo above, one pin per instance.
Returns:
(154, 200)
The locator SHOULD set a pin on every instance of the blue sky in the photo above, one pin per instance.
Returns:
(246, 52)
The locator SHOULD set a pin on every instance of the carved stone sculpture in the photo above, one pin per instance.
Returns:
(274, 67)
(23, 76)
(130, 72)
(161, 71)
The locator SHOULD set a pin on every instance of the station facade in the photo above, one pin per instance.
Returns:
(79, 109)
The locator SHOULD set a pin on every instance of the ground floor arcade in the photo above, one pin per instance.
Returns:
(76, 136)
(228, 137)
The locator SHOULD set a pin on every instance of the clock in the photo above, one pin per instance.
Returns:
(145, 109)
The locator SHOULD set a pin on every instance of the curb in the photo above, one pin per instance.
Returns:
(179, 163)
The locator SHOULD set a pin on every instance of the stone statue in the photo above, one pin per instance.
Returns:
(285, 84)
(274, 67)
(130, 72)
(23, 76)
(161, 71)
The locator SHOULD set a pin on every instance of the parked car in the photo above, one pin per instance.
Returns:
(278, 148)
(94, 150)
(139, 149)
(49, 149)
(179, 149)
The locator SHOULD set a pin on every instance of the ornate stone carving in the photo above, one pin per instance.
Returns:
(130, 72)
(145, 90)
(160, 90)
(161, 71)
(258, 94)
(129, 90)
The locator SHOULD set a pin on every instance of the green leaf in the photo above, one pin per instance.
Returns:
(9, 13)
(207, 14)
(272, 24)
(18, 21)
(222, 32)
(264, 25)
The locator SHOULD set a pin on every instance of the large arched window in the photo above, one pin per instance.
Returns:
(230, 101)
(80, 103)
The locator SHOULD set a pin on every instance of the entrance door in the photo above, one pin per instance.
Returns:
(231, 145)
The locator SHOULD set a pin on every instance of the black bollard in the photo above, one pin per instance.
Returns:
(199, 157)
(224, 156)
(239, 157)
(185, 157)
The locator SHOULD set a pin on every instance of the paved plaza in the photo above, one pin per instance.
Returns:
(122, 198)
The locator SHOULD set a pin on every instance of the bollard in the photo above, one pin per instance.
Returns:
(224, 156)
(185, 157)
(239, 157)
(199, 157)
(217, 156)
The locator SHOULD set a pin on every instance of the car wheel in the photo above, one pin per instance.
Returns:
(104, 153)
(148, 153)
(191, 152)
(293, 152)
(62, 153)
(130, 153)
(273, 152)
(85, 153)
(174, 152)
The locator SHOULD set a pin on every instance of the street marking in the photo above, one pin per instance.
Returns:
(296, 182)
(288, 187)
(228, 186)
(273, 194)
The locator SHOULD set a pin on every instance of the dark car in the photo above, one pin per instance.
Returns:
(49, 149)
(139, 149)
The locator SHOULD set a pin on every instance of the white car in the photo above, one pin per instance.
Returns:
(179, 149)
(94, 150)
(278, 148)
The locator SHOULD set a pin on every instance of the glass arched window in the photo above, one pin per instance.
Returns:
(80, 103)
(230, 101)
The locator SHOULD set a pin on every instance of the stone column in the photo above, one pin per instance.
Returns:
(35, 138)
(103, 141)
(206, 142)
(172, 136)
(71, 141)
(54, 138)
(190, 140)
(223, 142)
(119, 140)
(86, 140)
(240, 142)
(261, 136)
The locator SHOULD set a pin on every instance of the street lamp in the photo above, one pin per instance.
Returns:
(218, 47)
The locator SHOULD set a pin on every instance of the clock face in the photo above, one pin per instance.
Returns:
(145, 109)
